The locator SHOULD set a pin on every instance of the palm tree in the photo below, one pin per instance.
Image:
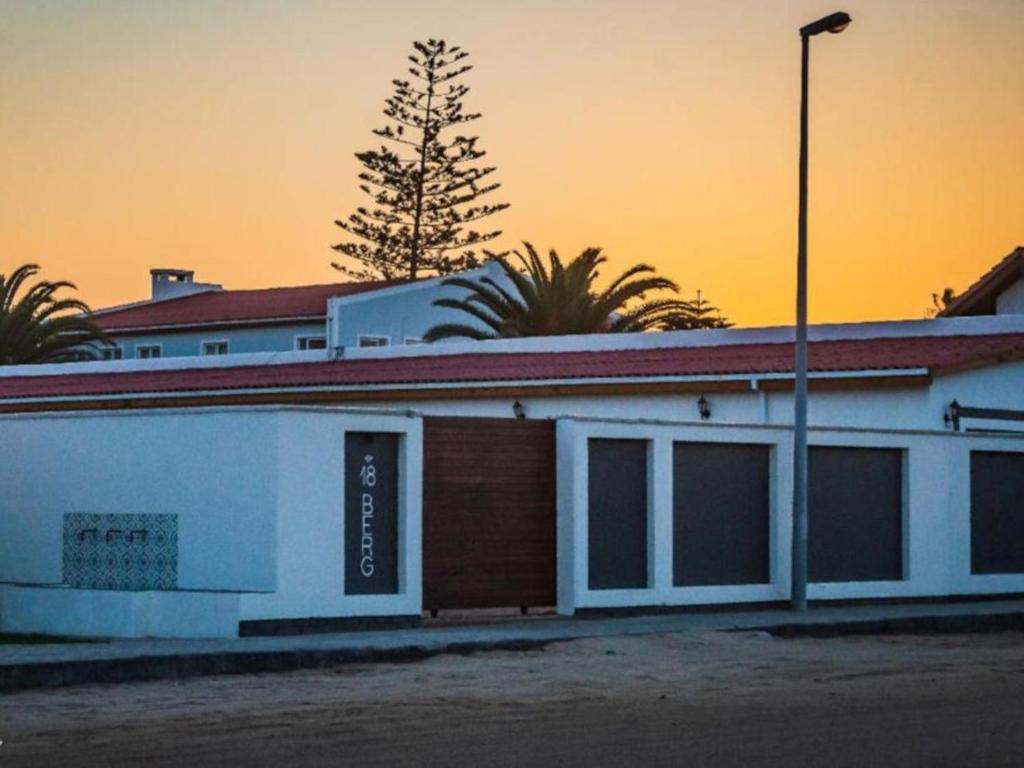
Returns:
(39, 327)
(557, 299)
(700, 315)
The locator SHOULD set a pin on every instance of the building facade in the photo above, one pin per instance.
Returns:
(187, 319)
(228, 496)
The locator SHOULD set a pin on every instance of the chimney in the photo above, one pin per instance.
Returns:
(174, 283)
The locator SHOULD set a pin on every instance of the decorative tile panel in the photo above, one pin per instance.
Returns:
(120, 551)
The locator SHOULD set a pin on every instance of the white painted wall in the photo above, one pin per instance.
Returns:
(310, 542)
(958, 485)
(215, 470)
(404, 311)
(910, 407)
(574, 592)
(260, 504)
(936, 514)
(109, 613)
(1011, 301)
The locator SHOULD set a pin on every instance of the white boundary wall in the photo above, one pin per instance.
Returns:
(311, 515)
(260, 504)
(214, 469)
(936, 509)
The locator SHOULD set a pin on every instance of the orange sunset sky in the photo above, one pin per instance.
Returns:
(219, 136)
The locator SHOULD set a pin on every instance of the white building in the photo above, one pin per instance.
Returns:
(208, 497)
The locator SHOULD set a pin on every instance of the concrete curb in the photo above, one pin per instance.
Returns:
(173, 666)
(911, 625)
(178, 666)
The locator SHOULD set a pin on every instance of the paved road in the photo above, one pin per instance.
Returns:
(695, 698)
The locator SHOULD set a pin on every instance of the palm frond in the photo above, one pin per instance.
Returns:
(455, 331)
(558, 297)
(491, 319)
(38, 326)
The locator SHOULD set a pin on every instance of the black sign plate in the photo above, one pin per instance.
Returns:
(371, 513)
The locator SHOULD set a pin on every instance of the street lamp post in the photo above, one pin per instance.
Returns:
(834, 23)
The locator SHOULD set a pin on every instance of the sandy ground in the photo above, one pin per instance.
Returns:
(686, 699)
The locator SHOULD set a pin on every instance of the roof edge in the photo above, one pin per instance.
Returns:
(1009, 267)
(212, 324)
(609, 342)
(622, 385)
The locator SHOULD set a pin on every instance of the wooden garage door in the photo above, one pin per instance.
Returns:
(488, 513)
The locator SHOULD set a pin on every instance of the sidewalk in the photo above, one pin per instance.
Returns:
(32, 666)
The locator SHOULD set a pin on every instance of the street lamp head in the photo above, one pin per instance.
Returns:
(833, 23)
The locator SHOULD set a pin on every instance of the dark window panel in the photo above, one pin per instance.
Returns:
(617, 493)
(855, 514)
(997, 512)
(720, 514)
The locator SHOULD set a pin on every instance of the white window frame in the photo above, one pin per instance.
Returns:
(412, 340)
(307, 338)
(158, 347)
(375, 337)
(104, 350)
(204, 342)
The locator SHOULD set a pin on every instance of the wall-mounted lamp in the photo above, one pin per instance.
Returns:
(519, 410)
(952, 416)
(704, 408)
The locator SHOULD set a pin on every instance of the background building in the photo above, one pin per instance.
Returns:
(183, 318)
(1000, 291)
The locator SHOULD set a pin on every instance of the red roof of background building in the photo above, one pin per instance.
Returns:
(215, 307)
(934, 353)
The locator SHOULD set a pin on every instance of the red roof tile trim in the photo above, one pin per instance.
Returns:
(929, 352)
(235, 306)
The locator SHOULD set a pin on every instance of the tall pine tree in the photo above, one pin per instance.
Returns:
(425, 183)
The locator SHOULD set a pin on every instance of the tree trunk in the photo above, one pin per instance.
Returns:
(414, 258)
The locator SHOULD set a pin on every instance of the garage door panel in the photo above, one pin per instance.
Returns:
(855, 514)
(720, 514)
(997, 512)
(617, 514)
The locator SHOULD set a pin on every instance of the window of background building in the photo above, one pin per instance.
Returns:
(215, 348)
(311, 342)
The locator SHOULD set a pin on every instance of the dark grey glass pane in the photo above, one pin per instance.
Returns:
(855, 514)
(720, 514)
(997, 512)
(617, 493)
